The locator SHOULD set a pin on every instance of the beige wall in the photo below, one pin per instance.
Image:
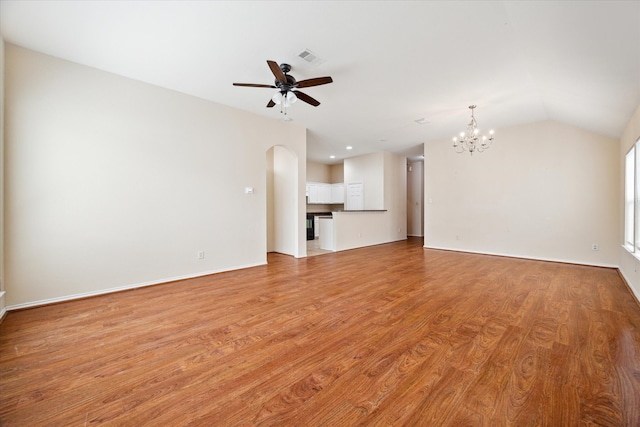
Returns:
(395, 194)
(337, 173)
(544, 191)
(284, 202)
(318, 172)
(112, 183)
(629, 264)
(415, 199)
(271, 208)
(2, 278)
(368, 169)
(357, 229)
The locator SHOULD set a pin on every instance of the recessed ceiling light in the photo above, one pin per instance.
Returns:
(349, 147)
(332, 157)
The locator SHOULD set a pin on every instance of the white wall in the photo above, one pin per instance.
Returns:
(543, 191)
(629, 264)
(368, 169)
(113, 183)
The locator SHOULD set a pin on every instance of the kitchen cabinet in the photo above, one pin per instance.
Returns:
(312, 193)
(322, 193)
(337, 193)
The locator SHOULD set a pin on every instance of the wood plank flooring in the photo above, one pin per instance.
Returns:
(387, 335)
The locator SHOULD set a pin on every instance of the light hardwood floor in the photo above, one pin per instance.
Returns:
(387, 335)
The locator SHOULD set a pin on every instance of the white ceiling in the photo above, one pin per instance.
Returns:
(392, 62)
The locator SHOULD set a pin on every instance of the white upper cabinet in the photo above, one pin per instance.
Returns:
(322, 193)
(337, 193)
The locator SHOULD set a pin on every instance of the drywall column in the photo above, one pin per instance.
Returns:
(2, 281)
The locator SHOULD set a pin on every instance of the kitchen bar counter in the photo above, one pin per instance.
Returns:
(364, 210)
(356, 229)
(343, 230)
(327, 234)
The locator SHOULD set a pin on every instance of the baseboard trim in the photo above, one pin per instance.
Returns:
(3, 309)
(625, 279)
(91, 294)
(558, 260)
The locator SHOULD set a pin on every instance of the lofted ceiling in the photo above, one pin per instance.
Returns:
(394, 63)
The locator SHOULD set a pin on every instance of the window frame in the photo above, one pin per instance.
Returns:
(631, 232)
(630, 198)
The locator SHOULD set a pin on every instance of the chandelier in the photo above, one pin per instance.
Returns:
(471, 140)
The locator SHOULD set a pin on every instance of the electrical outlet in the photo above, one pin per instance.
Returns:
(200, 254)
(595, 247)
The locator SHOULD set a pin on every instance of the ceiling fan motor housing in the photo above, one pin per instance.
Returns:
(288, 85)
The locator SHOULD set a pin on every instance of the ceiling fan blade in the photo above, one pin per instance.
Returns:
(271, 103)
(306, 98)
(254, 85)
(315, 82)
(277, 72)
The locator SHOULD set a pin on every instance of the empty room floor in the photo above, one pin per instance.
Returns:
(393, 334)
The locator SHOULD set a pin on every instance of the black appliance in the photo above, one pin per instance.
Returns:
(311, 232)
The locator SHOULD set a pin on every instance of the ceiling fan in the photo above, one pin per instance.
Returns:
(287, 87)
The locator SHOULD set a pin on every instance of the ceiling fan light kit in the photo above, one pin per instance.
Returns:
(471, 140)
(287, 86)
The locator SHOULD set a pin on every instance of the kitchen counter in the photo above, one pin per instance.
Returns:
(363, 210)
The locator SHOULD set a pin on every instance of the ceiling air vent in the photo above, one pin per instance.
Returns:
(310, 57)
(307, 55)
